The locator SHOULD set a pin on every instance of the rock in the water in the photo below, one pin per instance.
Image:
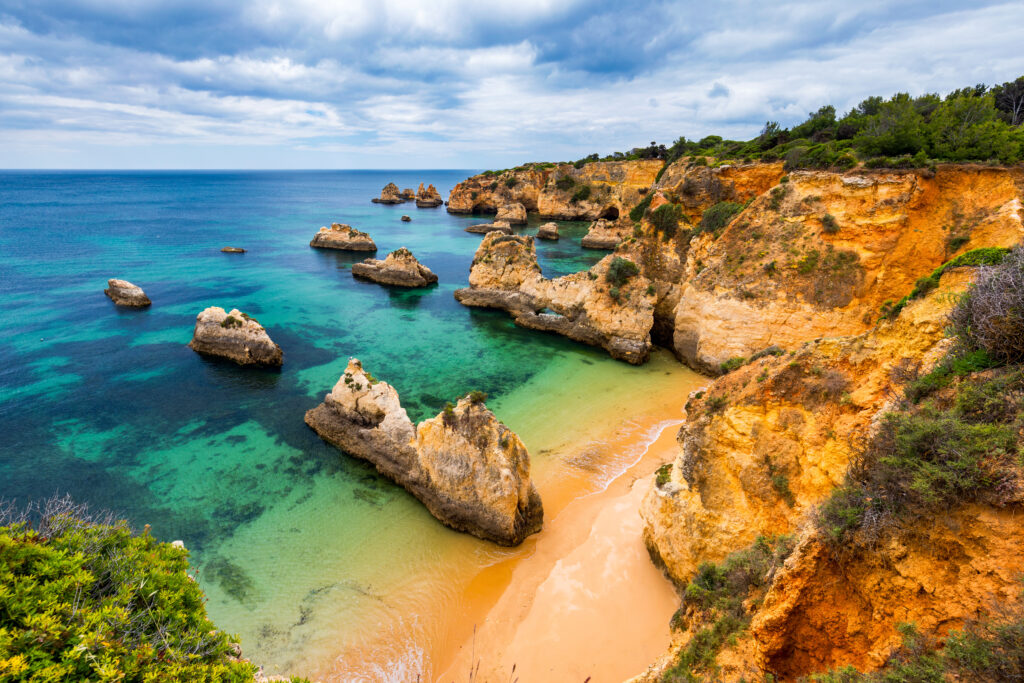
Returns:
(604, 234)
(406, 219)
(408, 193)
(234, 336)
(124, 293)
(512, 213)
(428, 198)
(389, 195)
(233, 250)
(470, 470)
(341, 236)
(497, 226)
(400, 268)
(548, 231)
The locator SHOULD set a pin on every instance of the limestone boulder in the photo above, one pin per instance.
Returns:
(400, 269)
(234, 336)
(344, 237)
(548, 231)
(124, 293)
(605, 234)
(484, 228)
(512, 213)
(428, 198)
(389, 195)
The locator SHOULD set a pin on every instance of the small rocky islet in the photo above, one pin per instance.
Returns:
(124, 293)
(400, 269)
(424, 198)
(234, 336)
(343, 237)
(469, 470)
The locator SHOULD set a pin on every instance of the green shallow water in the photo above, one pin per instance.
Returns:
(321, 566)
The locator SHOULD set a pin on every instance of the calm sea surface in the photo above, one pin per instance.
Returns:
(306, 553)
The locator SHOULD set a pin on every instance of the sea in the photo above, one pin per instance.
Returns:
(321, 566)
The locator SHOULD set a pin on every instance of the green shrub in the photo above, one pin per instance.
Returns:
(565, 183)
(477, 396)
(733, 363)
(990, 316)
(829, 224)
(620, 271)
(84, 598)
(718, 216)
(716, 404)
(809, 262)
(664, 474)
(581, 195)
(511, 182)
(448, 414)
(231, 321)
(637, 213)
(665, 219)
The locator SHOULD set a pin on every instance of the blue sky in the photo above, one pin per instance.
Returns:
(453, 83)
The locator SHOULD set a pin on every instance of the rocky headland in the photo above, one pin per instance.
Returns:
(470, 471)
(344, 237)
(400, 269)
(234, 336)
(124, 293)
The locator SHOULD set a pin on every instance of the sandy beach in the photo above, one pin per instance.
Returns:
(586, 603)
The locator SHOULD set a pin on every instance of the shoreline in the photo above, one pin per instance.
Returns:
(584, 601)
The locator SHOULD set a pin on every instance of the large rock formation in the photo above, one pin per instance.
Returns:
(471, 471)
(400, 268)
(408, 194)
(605, 234)
(390, 195)
(610, 305)
(512, 213)
(428, 198)
(548, 231)
(234, 336)
(344, 237)
(124, 293)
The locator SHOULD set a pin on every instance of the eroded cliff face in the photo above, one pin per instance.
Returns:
(819, 255)
(605, 189)
(592, 306)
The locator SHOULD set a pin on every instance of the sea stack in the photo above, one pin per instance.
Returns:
(428, 198)
(548, 231)
(344, 237)
(512, 213)
(234, 336)
(124, 293)
(400, 268)
(389, 195)
(470, 470)
(497, 226)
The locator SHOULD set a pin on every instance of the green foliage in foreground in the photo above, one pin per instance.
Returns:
(620, 271)
(715, 598)
(83, 598)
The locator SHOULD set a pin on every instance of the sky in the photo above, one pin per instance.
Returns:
(456, 83)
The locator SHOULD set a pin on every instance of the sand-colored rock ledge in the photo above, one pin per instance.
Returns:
(400, 268)
(344, 237)
(469, 469)
(234, 336)
(484, 228)
(124, 293)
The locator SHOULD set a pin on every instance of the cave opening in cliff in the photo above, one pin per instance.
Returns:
(611, 213)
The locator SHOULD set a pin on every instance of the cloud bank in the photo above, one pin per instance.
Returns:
(453, 83)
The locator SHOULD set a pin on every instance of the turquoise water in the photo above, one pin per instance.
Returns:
(305, 553)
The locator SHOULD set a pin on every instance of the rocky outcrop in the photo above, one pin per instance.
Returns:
(406, 219)
(234, 336)
(408, 194)
(428, 198)
(232, 250)
(512, 213)
(613, 310)
(606, 189)
(605, 234)
(469, 469)
(344, 237)
(400, 269)
(389, 195)
(548, 231)
(484, 228)
(124, 293)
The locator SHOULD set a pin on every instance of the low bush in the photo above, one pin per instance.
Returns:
(664, 474)
(829, 224)
(733, 363)
(990, 315)
(718, 216)
(620, 271)
(581, 195)
(511, 182)
(565, 183)
(665, 219)
(637, 213)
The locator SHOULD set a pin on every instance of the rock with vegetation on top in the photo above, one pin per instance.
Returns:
(548, 231)
(124, 293)
(344, 237)
(400, 268)
(406, 219)
(232, 250)
(512, 213)
(484, 228)
(428, 198)
(234, 336)
(470, 470)
(389, 195)
(604, 234)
